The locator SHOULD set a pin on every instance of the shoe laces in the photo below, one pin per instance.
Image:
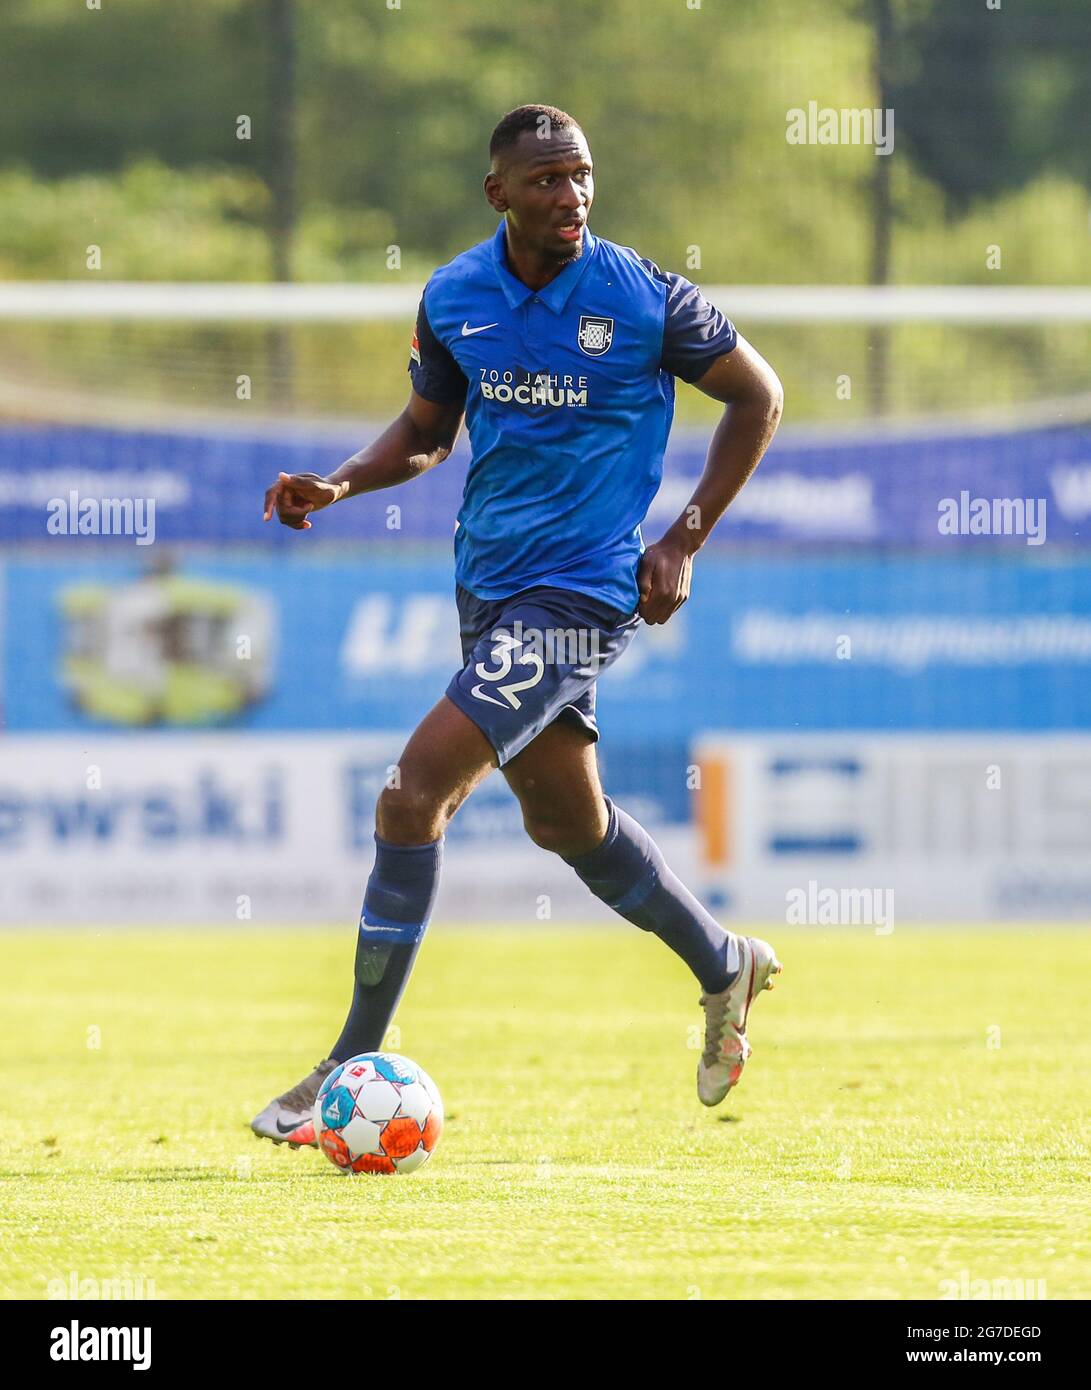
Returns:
(715, 1007)
(302, 1096)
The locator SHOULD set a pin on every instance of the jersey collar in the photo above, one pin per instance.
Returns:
(557, 293)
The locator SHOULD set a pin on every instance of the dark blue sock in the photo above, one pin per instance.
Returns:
(628, 872)
(400, 895)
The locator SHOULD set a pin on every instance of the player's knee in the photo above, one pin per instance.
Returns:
(559, 836)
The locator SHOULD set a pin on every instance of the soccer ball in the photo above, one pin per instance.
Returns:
(378, 1113)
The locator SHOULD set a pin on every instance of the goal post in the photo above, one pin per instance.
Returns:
(144, 353)
(39, 301)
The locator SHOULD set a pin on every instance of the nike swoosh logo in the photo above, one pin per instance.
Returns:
(468, 332)
(289, 1129)
(477, 690)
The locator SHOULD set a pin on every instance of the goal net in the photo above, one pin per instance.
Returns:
(148, 354)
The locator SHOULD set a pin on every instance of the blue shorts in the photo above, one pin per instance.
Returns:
(533, 658)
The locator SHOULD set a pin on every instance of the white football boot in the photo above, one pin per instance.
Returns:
(726, 1045)
(289, 1119)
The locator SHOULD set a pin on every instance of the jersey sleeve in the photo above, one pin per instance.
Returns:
(695, 333)
(434, 372)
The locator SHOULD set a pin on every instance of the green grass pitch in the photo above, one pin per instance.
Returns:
(911, 1115)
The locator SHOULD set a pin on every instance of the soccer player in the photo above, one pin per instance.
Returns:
(560, 350)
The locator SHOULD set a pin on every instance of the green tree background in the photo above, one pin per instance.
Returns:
(120, 130)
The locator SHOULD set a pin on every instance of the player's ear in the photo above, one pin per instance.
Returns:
(494, 192)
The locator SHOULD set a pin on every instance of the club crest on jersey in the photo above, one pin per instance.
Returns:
(595, 335)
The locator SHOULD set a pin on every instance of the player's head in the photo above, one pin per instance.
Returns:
(541, 179)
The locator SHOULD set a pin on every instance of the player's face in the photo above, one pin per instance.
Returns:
(546, 187)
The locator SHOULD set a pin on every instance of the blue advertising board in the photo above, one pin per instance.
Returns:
(963, 490)
(302, 643)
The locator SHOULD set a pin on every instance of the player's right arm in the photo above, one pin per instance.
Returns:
(422, 436)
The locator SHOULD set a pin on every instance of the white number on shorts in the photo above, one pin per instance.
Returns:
(504, 646)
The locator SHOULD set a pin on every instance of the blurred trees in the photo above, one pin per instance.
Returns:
(90, 91)
(685, 109)
(365, 128)
(991, 99)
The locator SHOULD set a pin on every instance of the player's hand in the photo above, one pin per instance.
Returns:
(663, 578)
(295, 495)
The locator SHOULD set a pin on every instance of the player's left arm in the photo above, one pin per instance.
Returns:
(752, 393)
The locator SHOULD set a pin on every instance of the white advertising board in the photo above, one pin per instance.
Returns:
(950, 826)
(228, 828)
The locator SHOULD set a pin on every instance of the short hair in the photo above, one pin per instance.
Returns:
(524, 118)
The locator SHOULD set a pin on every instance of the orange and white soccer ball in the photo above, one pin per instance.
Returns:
(378, 1113)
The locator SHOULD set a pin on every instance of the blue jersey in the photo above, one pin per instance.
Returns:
(569, 396)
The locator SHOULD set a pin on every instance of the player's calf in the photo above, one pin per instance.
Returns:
(627, 871)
